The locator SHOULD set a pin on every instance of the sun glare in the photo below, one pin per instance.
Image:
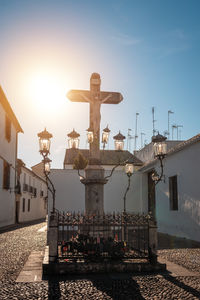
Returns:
(47, 91)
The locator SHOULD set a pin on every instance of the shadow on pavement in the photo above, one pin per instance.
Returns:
(115, 286)
(181, 285)
(54, 289)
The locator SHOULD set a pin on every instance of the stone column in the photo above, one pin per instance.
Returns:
(153, 242)
(53, 237)
(94, 189)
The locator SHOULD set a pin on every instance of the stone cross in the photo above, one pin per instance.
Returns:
(95, 98)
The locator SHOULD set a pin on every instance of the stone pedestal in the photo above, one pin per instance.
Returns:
(94, 189)
(53, 238)
(153, 242)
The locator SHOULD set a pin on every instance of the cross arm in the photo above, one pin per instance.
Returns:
(111, 97)
(79, 95)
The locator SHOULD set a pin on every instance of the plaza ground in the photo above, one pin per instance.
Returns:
(16, 244)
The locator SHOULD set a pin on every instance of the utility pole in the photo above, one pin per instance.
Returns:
(136, 136)
(169, 112)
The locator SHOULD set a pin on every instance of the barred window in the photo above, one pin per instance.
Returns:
(23, 205)
(173, 192)
(6, 175)
(7, 129)
(29, 204)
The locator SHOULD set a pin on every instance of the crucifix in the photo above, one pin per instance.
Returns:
(94, 174)
(95, 98)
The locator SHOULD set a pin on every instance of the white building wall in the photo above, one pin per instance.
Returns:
(38, 209)
(186, 221)
(70, 193)
(8, 153)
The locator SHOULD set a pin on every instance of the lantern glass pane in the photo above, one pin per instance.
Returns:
(105, 136)
(90, 137)
(129, 168)
(160, 149)
(119, 145)
(44, 145)
(47, 167)
(73, 143)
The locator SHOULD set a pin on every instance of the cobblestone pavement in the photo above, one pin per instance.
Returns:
(16, 245)
(188, 258)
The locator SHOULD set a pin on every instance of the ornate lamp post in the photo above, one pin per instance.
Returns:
(105, 136)
(119, 141)
(160, 149)
(73, 141)
(44, 149)
(129, 173)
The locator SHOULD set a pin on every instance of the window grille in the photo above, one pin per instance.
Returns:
(173, 192)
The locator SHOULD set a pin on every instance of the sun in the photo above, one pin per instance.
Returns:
(47, 91)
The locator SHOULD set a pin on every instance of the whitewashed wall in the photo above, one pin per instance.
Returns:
(38, 209)
(70, 193)
(186, 221)
(7, 152)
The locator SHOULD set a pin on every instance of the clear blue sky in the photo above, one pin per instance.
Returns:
(146, 49)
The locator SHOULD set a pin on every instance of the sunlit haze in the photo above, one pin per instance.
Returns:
(146, 50)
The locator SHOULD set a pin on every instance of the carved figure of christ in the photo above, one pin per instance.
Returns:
(95, 111)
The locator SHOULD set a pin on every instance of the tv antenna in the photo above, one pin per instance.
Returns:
(179, 126)
(129, 138)
(153, 117)
(136, 136)
(169, 112)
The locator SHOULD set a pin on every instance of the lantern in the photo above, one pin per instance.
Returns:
(119, 141)
(73, 140)
(44, 142)
(90, 135)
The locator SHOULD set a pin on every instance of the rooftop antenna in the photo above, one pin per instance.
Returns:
(129, 137)
(142, 134)
(136, 136)
(153, 116)
(178, 126)
(169, 112)
(173, 127)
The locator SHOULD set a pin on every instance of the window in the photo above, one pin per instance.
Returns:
(29, 204)
(23, 205)
(6, 175)
(173, 193)
(8, 129)
(24, 177)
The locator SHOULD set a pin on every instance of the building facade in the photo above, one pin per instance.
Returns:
(32, 195)
(9, 129)
(176, 198)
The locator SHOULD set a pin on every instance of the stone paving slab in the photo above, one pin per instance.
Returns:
(32, 270)
(177, 270)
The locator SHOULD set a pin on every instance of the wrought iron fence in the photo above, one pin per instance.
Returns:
(99, 237)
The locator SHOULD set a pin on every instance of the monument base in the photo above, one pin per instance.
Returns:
(110, 266)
